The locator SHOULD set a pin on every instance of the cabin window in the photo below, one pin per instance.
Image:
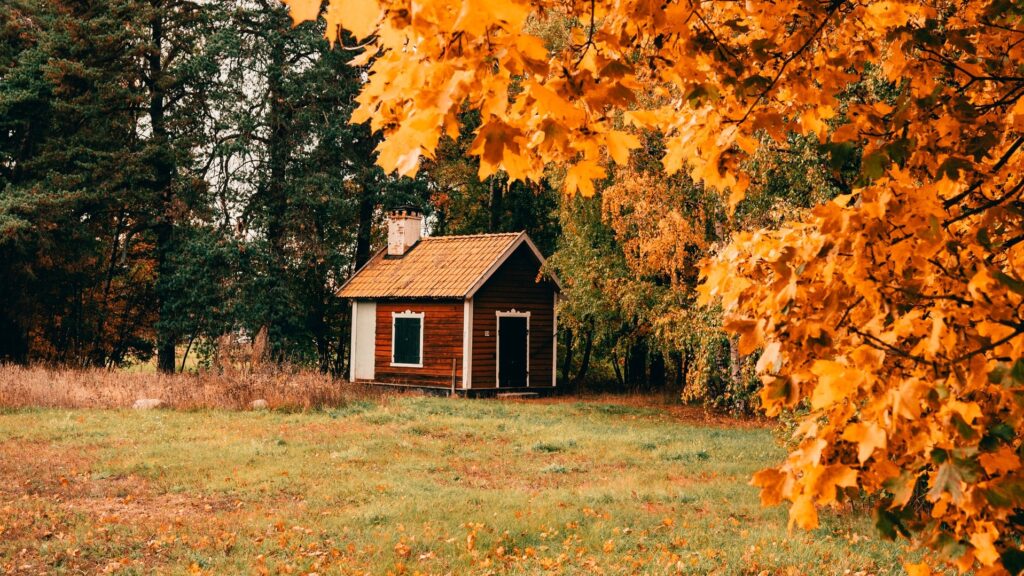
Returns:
(407, 339)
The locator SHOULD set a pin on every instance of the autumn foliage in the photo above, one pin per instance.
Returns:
(891, 314)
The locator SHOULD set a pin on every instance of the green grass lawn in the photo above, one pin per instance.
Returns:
(410, 485)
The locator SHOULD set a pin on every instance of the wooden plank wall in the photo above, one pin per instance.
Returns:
(514, 285)
(442, 341)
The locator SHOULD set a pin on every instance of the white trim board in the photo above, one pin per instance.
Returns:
(406, 314)
(363, 340)
(467, 343)
(513, 313)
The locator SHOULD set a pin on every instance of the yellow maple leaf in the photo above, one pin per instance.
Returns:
(920, 569)
(868, 437)
(619, 145)
(833, 477)
(580, 178)
(772, 484)
(1001, 461)
(360, 17)
(302, 10)
(803, 513)
(835, 383)
(983, 542)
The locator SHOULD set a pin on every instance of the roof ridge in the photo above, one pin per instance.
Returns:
(459, 236)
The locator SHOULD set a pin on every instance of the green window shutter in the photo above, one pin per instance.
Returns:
(407, 340)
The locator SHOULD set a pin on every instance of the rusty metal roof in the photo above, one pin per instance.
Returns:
(436, 267)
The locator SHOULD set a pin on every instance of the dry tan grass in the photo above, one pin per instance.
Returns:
(229, 389)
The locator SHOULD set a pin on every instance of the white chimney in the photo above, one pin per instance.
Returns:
(405, 224)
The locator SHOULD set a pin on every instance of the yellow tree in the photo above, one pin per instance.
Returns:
(893, 313)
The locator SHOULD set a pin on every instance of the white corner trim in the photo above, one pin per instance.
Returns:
(467, 343)
(497, 343)
(352, 337)
(406, 314)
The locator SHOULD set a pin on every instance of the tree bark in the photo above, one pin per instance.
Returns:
(367, 204)
(570, 340)
(636, 365)
(275, 201)
(163, 178)
(657, 370)
(734, 361)
(618, 373)
(497, 204)
(588, 347)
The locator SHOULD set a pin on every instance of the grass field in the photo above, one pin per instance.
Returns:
(405, 485)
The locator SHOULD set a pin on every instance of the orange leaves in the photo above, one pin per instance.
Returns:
(580, 178)
(890, 311)
(476, 16)
(836, 382)
(360, 17)
(498, 147)
(773, 485)
(984, 543)
(867, 436)
(919, 569)
(302, 10)
(1001, 462)
(803, 513)
(619, 145)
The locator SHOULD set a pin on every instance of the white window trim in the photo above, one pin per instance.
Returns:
(497, 343)
(406, 314)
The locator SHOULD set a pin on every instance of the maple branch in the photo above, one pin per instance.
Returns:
(1005, 100)
(878, 342)
(849, 309)
(721, 45)
(1018, 330)
(995, 168)
(950, 297)
(834, 7)
(370, 40)
(987, 205)
(590, 35)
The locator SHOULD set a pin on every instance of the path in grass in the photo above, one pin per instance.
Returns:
(426, 485)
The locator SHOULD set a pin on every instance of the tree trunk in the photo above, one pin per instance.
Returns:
(734, 362)
(275, 201)
(657, 370)
(163, 178)
(497, 201)
(618, 372)
(636, 365)
(13, 340)
(567, 359)
(588, 347)
(367, 203)
(341, 350)
(677, 365)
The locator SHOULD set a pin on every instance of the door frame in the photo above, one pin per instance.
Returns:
(513, 313)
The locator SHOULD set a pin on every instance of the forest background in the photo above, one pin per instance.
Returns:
(174, 171)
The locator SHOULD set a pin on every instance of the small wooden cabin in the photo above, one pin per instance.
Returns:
(469, 312)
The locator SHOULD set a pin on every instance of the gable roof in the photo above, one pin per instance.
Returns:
(436, 267)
